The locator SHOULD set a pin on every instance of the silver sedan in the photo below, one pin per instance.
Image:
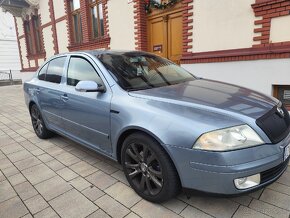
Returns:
(168, 128)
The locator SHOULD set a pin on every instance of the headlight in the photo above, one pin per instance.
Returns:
(228, 139)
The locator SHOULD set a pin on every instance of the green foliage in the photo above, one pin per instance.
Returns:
(153, 4)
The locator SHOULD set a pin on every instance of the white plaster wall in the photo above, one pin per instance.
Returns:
(26, 76)
(23, 53)
(7, 26)
(40, 61)
(48, 43)
(19, 23)
(121, 24)
(259, 75)
(280, 29)
(9, 53)
(59, 10)
(222, 24)
(62, 36)
(44, 11)
(32, 63)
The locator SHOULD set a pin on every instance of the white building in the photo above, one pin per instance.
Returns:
(245, 42)
(9, 53)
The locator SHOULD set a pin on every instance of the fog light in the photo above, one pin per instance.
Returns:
(248, 182)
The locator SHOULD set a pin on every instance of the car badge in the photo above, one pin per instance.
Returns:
(280, 112)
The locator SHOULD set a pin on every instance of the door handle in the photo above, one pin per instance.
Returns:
(64, 97)
(37, 91)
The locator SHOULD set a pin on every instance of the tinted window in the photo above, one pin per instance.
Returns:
(55, 69)
(42, 72)
(139, 70)
(79, 70)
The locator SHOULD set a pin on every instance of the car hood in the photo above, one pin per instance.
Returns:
(212, 95)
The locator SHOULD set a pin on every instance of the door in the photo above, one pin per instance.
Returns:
(86, 115)
(157, 39)
(50, 90)
(174, 35)
(165, 35)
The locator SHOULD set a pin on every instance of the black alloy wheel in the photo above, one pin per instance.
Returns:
(148, 168)
(144, 169)
(38, 124)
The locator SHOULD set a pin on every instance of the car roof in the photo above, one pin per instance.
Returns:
(100, 52)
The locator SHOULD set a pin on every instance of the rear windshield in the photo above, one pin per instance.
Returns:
(138, 70)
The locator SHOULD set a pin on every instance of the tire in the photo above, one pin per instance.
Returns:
(38, 124)
(148, 168)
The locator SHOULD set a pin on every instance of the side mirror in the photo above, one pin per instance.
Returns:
(89, 86)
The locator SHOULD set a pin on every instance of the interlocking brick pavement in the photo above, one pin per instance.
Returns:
(60, 178)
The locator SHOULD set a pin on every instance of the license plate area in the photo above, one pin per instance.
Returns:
(287, 152)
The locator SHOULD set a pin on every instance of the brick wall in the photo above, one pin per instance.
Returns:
(140, 21)
(53, 26)
(187, 26)
(262, 48)
(266, 10)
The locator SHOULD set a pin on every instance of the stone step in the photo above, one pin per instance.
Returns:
(10, 82)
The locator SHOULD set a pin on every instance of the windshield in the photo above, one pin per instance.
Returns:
(139, 70)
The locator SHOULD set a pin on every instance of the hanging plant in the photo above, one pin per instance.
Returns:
(149, 4)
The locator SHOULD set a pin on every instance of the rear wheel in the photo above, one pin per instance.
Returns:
(38, 125)
(148, 168)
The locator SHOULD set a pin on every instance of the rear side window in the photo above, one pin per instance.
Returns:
(42, 72)
(55, 69)
(79, 70)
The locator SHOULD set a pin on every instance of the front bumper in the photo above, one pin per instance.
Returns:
(214, 172)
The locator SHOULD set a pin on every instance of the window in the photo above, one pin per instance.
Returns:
(28, 37)
(33, 36)
(76, 20)
(79, 70)
(55, 69)
(37, 34)
(42, 72)
(97, 17)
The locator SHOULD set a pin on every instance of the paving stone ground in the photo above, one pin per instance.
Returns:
(60, 178)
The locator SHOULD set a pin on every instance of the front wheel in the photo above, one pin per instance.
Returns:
(149, 169)
(38, 124)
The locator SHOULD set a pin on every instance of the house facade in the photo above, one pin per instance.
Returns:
(245, 42)
(9, 56)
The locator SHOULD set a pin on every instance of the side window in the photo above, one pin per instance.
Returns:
(79, 70)
(42, 72)
(55, 69)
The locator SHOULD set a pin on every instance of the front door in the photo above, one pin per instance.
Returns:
(165, 34)
(86, 115)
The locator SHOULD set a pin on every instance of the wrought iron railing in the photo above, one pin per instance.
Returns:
(6, 75)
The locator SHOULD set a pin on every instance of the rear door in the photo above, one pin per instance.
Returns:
(87, 114)
(50, 92)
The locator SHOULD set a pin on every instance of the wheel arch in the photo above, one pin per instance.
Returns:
(130, 131)
(30, 105)
(32, 102)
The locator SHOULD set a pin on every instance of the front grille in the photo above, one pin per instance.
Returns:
(273, 172)
(274, 125)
